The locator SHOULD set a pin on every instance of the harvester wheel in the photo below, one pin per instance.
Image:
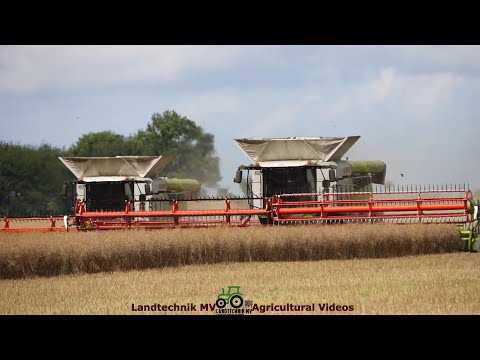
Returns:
(263, 220)
(221, 303)
(236, 301)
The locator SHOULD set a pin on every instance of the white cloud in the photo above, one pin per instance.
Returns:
(427, 93)
(458, 58)
(208, 103)
(412, 94)
(27, 69)
(407, 103)
(381, 87)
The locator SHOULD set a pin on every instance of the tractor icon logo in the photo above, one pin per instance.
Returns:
(232, 297)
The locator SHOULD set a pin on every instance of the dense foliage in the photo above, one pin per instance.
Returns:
(31, 177)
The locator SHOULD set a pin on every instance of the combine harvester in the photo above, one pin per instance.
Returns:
(106, 183)
(289, 181)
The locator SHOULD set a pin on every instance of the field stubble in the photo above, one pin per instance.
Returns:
(426, 284)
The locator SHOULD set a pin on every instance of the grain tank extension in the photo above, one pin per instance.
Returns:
(106, 183)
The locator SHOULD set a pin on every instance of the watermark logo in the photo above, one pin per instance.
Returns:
(231, 301)
(232, 296)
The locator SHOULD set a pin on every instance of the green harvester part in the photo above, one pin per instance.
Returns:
(470, 234)
(468, 238)
(181, 185)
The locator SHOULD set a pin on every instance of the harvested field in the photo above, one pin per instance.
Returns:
(424, 284)
(49, 254)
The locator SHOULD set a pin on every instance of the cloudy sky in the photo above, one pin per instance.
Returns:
(415, 107)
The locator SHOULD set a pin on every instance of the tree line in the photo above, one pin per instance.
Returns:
(31, 177)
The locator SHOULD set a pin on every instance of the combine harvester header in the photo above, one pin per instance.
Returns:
(295, 180)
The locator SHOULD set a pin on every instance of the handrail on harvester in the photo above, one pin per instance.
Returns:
(55, 223)
(372, 207)
(153, 219)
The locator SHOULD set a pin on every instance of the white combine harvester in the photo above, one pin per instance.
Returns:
(105, 183)
(303, 165)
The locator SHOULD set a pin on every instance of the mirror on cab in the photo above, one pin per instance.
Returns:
(238, 177)
(148, 191)
(331, 175)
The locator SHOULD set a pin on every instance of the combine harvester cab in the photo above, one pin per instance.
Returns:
(299, 166)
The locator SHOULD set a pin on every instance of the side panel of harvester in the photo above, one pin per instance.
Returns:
(256, 189)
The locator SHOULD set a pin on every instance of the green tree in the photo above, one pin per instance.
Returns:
(31, 180)
(103, 143)
(193, 149)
